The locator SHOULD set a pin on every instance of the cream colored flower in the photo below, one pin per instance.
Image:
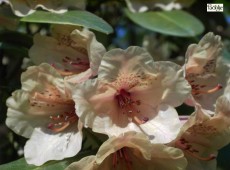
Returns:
(132, 151)
(73, 51)
(202, 135)
(133, 93)
(205, 71)
(43, 111)
(26, 7)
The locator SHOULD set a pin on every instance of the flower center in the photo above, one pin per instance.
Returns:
(186, 147)
(65, 40)
(51, 99)
(77, 65)
(62, 121)
(128, 106)
(122, 155)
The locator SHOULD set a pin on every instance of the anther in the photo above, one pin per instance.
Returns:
(140, 121)
(209, 158)
(216, 88)
(57, 127)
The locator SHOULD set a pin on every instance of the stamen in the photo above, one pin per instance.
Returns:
(122, 155)
(63, 72)
(78, 65)
(139, 121)
(183, 144)
(209, 158)
(216, 88)
(115, 161)
(62, 126)
(127, 160)
(128, 106)
(61, 122)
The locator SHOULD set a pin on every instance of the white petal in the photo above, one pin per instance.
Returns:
(201, 57)
(106, 126)
(48, 49)
(164, 127)
(18, 117)
(44, 145)
(167, 158)
(95, 49)
(37, 77)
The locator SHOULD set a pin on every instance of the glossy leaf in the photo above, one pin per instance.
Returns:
(80, 18)
(177, 23)
(21, 164)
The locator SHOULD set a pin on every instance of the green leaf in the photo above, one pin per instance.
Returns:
(92, 140)
(80, 18)
(21, 164)
(177, 22)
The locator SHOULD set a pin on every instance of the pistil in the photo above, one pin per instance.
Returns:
(128, 106)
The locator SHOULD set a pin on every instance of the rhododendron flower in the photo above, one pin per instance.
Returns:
(71, 50)
(202, 135)
(132, 151)
(42, 111)
(133, 93)
(205, 71)
(27, 7)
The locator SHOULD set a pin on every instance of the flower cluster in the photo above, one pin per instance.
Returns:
(125, 95)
